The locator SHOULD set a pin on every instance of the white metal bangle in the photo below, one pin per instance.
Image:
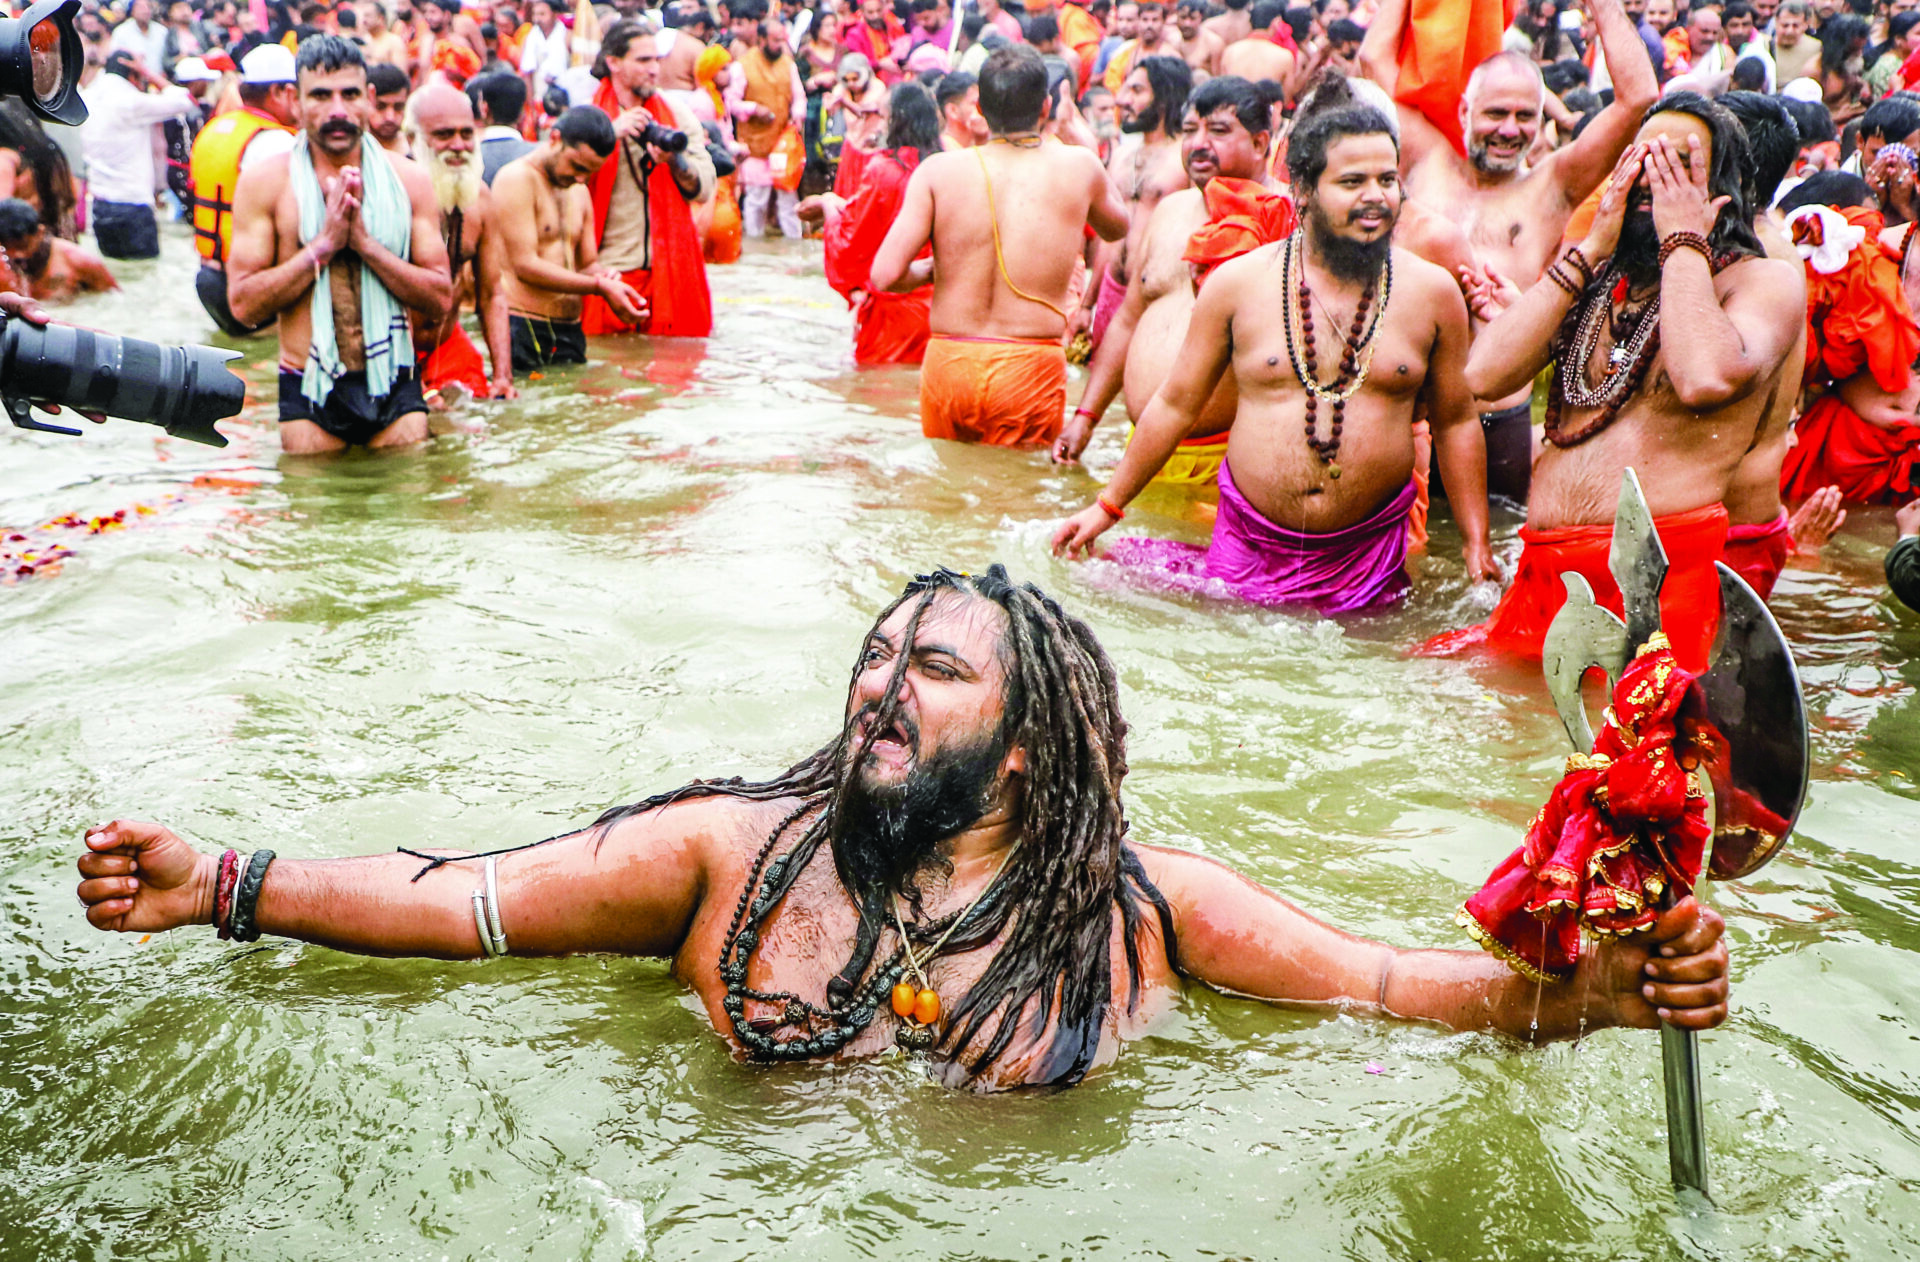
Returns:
(486, 913)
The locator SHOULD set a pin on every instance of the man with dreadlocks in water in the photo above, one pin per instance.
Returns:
(951, 874)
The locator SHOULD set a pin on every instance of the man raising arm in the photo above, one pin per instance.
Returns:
(949, 873)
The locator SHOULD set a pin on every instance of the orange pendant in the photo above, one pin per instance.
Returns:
(926, 1007)
(903, 998)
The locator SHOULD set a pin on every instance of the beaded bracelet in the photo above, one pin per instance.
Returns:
(1566, 282)
(223, 884)
(1576, 256)
(1118, 514)
(1686, 241)
(246, 896)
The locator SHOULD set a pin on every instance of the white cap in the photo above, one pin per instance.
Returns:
(268, 64)
(1804, 89)
(193, 70)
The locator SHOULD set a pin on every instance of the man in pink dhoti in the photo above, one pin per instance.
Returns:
(1361, 334)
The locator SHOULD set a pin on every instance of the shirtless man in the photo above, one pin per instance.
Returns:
(1514, 214)
(783, 904)
(544, 214)
(677, 67)
(1691, 400)
(1151, 101)
(445, 21)
(1255, 56)
(1157, 38)
(1319, 521)
(50, 268)
(378, 251)
(387, 89)
(1235, 23)
(441, 125)
(1006, 220)
(1225, 134)
(1200, 48)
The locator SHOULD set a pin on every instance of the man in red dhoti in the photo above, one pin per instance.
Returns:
(640, 197)
(1671, 260)
(887, 328)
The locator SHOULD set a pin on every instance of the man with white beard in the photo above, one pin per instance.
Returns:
(441, 128)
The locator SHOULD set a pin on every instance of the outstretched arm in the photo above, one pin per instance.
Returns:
(1579, 168)
(633, 891)
(1240, 937)
(1380, 61)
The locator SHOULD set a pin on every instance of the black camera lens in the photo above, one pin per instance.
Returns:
(665, 138)
(41, 58)
(182, 389)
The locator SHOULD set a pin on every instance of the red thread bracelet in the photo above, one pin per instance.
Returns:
(223, 885)
(1118, 514)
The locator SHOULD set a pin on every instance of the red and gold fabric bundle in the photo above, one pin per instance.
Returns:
(1624, 828)
(1242, 215)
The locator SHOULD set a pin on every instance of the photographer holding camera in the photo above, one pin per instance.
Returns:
(641, 214)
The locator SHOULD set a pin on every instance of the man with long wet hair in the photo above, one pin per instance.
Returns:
(951, 874)
(34, 169)
(1672, 332)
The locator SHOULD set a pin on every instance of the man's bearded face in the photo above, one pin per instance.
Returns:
(1152, 23)
(1638, 254)
(386, 116)
(449, 155)
(1351, 214)
(938, 763)
(1503, 120)
(1139, 112)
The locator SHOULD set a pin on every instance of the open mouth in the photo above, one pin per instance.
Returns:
(893, 743)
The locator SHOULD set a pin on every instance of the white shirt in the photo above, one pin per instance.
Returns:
(150, 48)
(1757, 47)
(270, 143)
(118, 136)
(543, 57)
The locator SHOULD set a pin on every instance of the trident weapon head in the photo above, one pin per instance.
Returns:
(1752, 689)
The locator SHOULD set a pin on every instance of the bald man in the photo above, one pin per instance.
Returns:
(1514, 213)
(444, 135)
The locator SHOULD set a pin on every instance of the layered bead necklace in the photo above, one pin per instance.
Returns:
(1626, 366)
(1356, 356)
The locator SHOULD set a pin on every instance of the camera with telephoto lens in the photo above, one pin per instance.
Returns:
(182, 389)
(664, 138)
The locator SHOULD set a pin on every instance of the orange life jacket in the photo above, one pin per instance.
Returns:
(213, 172)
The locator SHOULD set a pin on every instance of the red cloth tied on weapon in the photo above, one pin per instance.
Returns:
(887, 328)
(456, 361)
(1624, 828)
(1689, 601)
(1444, 40)
(1869, 463)
(1242, 215)
(675, 286)
(1858, 317)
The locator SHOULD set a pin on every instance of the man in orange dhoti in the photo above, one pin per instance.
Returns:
(1671, 261)
(1861, 435)
(1006, 221)
(887, 328)
(640, 212)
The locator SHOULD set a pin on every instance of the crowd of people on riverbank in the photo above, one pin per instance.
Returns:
(1487, 218)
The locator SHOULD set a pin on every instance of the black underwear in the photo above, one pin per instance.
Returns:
(350, 413)
(538, 342)
(1509, 434)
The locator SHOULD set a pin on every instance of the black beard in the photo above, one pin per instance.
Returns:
(1142, 123)
(1638, 255)
(1350, 260)
(887, 835)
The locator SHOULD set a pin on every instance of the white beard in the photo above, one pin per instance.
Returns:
(454, 188)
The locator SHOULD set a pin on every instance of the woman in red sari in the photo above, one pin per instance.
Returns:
(887, 328)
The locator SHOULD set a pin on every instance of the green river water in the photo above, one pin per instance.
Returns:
(659, 567)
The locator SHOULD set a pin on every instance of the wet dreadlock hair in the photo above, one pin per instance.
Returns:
(45, 161)
(1057, 894)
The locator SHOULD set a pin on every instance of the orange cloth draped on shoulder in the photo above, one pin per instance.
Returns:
(1689, 603)
(456, 361)
(887, 328)
(675, 287)
(1869, 463)
(1758, 552)
(1242, 215)
(1443, 42)
(1858, 317)
(724, 233)
(1082, 32)
(456, 60)
(993, 390)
